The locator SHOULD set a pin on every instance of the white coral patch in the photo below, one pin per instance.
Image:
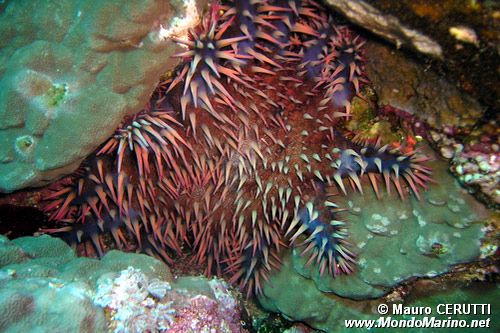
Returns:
(180, 25)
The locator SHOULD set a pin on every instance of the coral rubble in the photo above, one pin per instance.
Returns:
(474, 158)
(138, 304)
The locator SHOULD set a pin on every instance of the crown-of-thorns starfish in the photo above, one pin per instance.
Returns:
(258, 172)
(208, 58)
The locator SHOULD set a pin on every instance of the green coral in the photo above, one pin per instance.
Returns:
(36, 271)
(51, 57)
(298, 298)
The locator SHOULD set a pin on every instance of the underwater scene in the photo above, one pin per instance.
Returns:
(249, 166)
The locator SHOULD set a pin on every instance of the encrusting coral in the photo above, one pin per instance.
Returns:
(242, 151)
(69, 74)
(44, 286)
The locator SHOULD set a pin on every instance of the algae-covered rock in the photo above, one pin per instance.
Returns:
(70, 71)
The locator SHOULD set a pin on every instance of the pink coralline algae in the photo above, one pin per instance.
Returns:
(200, 313)
(203, 314)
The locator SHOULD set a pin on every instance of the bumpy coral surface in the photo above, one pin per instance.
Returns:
(45, 287)
(242, 152)
(327, 312)
(69, 74)
(36, 292)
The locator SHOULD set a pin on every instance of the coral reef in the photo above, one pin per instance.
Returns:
(396, 241)
(69, 75)
(35, 293)
(267, 157)
(239, 155)
(130, 298)
(48, 305)
(44, 286)
(398, 246)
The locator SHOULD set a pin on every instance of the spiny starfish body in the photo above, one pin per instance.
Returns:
(239, 160)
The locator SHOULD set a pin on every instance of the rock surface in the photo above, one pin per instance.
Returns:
(69, 74)
(419, 92)
(386, 26)
(459, 130)
(458, 39)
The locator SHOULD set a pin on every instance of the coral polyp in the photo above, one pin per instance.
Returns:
(260, 170)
